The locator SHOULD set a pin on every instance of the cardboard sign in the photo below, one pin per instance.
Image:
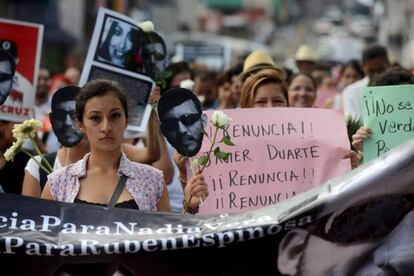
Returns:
(388, 112)
(23, 42)
(278, 153)
(114, 54)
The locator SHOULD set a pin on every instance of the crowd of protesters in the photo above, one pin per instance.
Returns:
(107, 151)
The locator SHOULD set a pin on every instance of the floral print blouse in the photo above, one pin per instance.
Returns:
(144, 182)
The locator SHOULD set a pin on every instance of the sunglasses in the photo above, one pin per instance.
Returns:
(186, 119)
(5, 76)
(365, 222)
(61, 115)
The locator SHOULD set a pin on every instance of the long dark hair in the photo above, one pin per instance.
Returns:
(104, 47)
(135, 37)
(99, 88)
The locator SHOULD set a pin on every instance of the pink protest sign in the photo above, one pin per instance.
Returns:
(278, 153)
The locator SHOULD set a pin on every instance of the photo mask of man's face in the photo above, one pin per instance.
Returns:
(155, 54)
(181, 120)
(7, 66)
(62, 116)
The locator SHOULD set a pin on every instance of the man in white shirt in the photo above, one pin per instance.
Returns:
(374, 62)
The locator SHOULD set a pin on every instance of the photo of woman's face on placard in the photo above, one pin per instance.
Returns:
(119, 41)
(62, 116)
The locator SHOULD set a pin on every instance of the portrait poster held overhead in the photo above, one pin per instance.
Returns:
(20, 52)
(356, 224)
(389, 113)
(277, 153)
(115, 53)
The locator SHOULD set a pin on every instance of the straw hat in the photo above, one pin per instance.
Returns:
(306, 53)
(258, 60)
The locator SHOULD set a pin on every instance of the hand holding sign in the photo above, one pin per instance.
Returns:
(358, 138)
(278, 153)
(388, 112)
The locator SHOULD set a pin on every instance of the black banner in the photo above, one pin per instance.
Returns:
(358, 224)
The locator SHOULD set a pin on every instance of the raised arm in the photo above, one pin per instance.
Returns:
(195, 192)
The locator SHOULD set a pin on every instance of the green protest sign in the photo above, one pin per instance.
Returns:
(388, 112)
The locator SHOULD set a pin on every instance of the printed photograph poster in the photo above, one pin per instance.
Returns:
(138, 107)
(277, 154)
(388, 112)
(119, 40)
(114, 46)
(22, 42)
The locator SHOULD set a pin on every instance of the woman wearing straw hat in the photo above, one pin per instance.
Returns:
(257, 61)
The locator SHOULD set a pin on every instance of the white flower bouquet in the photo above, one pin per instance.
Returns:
(21, 132)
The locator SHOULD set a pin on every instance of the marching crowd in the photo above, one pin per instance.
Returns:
(102, 156)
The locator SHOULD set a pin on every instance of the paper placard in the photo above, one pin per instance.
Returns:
(388, 112)
(23, 41)
(278, 153)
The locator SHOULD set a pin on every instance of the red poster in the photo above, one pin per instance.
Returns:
(22, 41)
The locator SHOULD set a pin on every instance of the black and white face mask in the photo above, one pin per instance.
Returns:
(62, 116)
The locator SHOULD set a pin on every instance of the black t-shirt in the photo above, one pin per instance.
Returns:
(12, 174)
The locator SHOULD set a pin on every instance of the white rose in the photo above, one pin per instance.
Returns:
(220, 119)
(187, 84)
(147, 26)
